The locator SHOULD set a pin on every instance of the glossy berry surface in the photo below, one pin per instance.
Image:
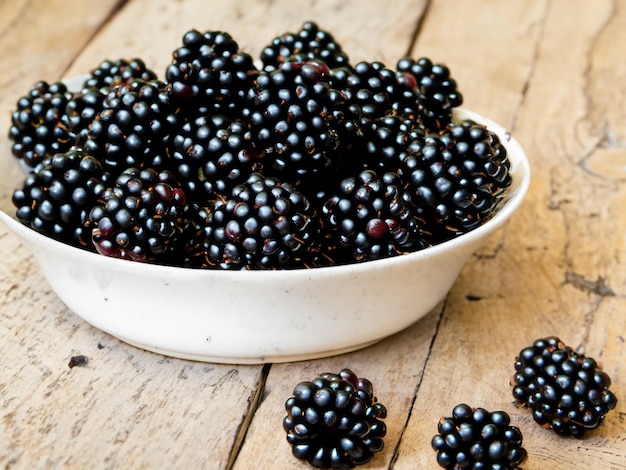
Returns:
(335, 421)
(56, 197)
(370, 218)
(565, 390)
(310, 42)
(289, 119)
(456, 178)
(211, 155)
(261, 224)
(111, 73)
(37, 128)
(209, 71)
(474, 438)
(437, 92)
(134, 128)
(140, 217)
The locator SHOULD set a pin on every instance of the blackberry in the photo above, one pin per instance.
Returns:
(372, 90)
(478, 439)
(140, 218)
(85, 105)
(262, 224)
(310, 42)
(210, 71)
(37, 129)
(111, 73)
(564, 389)
(82, 109)
(370, 218)
(388, 140)
(211, 155)
(134, 128)
(437, 91)
(456, 178)
(291, 123)
(335, 421)
(56, 197)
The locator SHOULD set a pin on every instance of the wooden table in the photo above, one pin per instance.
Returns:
(551, 71)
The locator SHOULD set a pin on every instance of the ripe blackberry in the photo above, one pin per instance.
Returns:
(456, 178)
(111, 73)
(210, 71)
(478, 439)
(310, 42)
(82, 110)
(335, 421)
(134, 128)
(85, 105)
(564, 389)
(56, 197)
(140, 218)
(291, 123)
(36, 128)
(370, 218)
(437, 91)
(372, 90)
(211, 155)
(388, 140)
(262, 224)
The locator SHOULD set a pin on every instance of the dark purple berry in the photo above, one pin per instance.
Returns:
(564, 389)
(335, 421)
(477, 439)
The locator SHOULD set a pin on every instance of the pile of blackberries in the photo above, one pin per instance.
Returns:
(341, 162)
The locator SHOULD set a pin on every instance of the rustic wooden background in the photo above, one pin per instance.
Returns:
(553, 72)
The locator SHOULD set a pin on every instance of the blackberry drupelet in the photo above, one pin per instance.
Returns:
(477, 439)
(37, 129)
(291, 123)
(262, 224)
(456, 179)
(437, 91)
(211, 155)
(140, 218)
(210, 71)
(310, 42)
(369, 218)
(134, 128)
(335, 421)
(56, 197)
(111, 73)
(564, 389)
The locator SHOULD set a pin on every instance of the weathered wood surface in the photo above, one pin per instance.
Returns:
(552, 72)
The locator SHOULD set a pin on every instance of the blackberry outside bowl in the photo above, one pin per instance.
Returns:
(251, 317)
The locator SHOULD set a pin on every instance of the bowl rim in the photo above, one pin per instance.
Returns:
(519, 169)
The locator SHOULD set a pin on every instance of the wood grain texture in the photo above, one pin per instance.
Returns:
(557, 268)
(550, 71)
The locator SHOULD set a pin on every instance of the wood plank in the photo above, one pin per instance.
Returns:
(394, 366)
(556, 268)
(550, 71)
(253, 24)
(126, 407)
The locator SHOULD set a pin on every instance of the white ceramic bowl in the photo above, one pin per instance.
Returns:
(249, 317)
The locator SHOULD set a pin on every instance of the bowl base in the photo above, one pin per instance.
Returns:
(235, 360)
